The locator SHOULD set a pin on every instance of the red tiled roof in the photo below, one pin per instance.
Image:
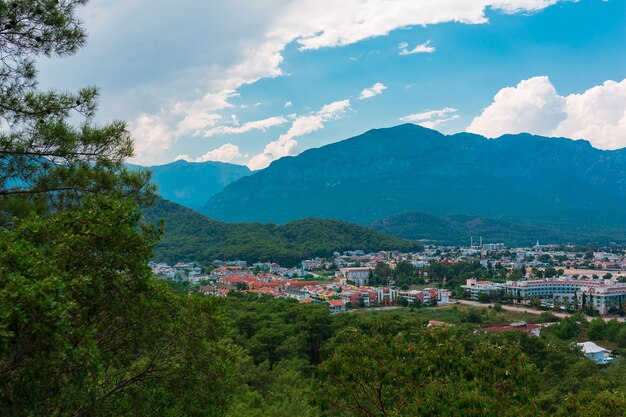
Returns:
(303, 283)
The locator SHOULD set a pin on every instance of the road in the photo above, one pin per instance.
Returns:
(529, 310)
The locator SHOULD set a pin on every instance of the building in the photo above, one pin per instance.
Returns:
(311, 264)
(473, 287)
(336, 306)
(427, 296)
(493, 246)
(359, 276)
(586, 294)
(443, 296)
(596, 353)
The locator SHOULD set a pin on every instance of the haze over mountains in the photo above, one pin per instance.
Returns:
(192, 184)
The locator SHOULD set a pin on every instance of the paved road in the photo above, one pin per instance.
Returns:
(528, 310)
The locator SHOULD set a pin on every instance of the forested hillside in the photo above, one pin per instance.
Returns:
(458, 229)
(191, 236)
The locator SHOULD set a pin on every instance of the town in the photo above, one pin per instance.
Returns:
(543, 277)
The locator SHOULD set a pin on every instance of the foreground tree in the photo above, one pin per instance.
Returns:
(439, 372)
(84, 328)
(51, 153)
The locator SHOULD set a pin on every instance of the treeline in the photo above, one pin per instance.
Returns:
(457, 230)
(191, 236)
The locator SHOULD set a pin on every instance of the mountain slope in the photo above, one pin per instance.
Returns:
(458, 229)
(192, 184)
(191, 236)
(411, 168)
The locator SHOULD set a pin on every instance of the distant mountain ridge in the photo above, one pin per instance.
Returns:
(458, 229)
(193, 183)
(384, 172)
(191, 236)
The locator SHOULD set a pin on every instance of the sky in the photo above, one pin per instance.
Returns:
(249, 81)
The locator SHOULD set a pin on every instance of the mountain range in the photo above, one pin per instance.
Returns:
(522, 178)
(192, 184)
(418, 184)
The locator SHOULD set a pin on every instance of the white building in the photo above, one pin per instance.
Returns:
(475, 287)
(596, 353)
(360, 276)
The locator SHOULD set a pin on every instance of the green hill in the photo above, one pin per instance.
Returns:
(191, 236)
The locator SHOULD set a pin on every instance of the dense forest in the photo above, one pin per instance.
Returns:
(85, 329)
(191, 236)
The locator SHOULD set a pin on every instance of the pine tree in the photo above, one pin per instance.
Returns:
(51, 151)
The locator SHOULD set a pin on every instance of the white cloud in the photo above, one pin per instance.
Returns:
(373, 91)
(598, 114)
(423, 48)
(287, 145)
(288, 104)
(433, 124)
(225, 153)
(196, 120)
(152, 136)
(246, 127)
(534, 106)
(432, 118)
(326, 23)
(247, 47)
(428, 115)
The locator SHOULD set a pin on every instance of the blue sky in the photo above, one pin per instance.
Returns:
(248, 83)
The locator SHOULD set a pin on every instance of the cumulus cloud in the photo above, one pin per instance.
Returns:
(531, 106)
(246, 127)
(373, 91)
(225, 153)
(432, 118)
(287, 145)
(152, 136)
(423, 48)
(534, 106)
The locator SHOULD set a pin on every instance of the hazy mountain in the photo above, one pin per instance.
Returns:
(191, 236)
(193, 183)
(410, 168)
